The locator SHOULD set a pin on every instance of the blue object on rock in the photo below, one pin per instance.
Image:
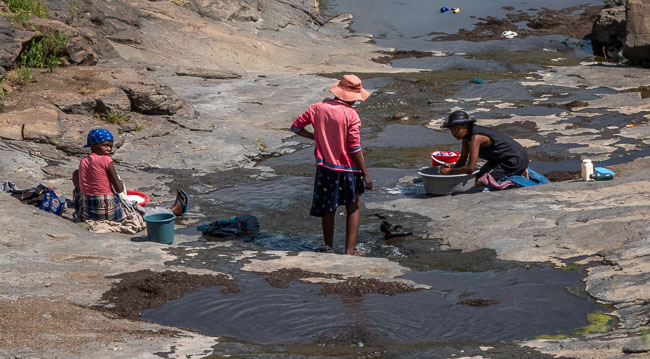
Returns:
(160, 227)
(604, 171)
(476, 80)
(444, 9)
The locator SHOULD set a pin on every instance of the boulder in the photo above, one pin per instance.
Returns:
(207, 74)
(12, 41)
(637, 41)
(106, 100)
(34, 124)
(125, 36)
(614, 3)
(80, 52)
(115, 102)
(231, 10)
(152, 98)
(608, 32)
(113, 15)
(279, 14)
(267, 14)
(77, 106)
(103, 22)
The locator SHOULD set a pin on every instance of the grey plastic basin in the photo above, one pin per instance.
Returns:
(435, 183)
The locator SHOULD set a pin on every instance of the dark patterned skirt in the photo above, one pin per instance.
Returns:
(333, 189)
(102, 208)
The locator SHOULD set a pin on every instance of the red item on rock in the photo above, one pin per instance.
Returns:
(444, 157)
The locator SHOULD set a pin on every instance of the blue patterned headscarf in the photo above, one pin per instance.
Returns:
(98, 135)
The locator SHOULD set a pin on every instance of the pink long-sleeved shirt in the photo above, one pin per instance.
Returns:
(336, 132)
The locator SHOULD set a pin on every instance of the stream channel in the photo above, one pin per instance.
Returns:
(400, 127)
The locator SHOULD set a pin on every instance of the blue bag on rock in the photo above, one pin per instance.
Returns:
(245, 225)
(53, 203)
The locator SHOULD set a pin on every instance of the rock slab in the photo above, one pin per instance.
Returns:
(608, 32)
(153, 99)
(11, 42)
(637, 42)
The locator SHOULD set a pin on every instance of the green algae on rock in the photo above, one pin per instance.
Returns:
(569, 267)
(599, 322)
(552, 336)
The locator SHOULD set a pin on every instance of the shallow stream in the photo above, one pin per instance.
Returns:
(400, 127)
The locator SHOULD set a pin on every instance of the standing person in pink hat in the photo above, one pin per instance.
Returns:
(341, 173)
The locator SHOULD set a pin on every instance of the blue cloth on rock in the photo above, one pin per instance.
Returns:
(533, 180)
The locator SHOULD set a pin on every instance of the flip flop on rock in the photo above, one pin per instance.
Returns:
(324, 248)
(184, 199)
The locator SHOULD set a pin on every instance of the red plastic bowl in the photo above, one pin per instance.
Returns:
(448, 157)
(145, 198)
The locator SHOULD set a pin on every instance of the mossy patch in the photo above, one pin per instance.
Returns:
(115, 118)
(599, 322)
(45, 51)
(551, 336)
(20, 19)
(35, 7)
(569, 267)
(577, 291)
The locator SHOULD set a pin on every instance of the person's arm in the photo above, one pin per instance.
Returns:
(75, 179)
(464, 152)
(304, 133)
(475, 144)
(114, 179)
(298, 126)
(361, 163)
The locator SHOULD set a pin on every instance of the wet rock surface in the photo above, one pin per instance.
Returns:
(559, 176)
(544, 22)
(478, 302)
(145, 289)
(283, 277)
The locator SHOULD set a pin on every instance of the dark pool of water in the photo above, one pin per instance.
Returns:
(531, 303)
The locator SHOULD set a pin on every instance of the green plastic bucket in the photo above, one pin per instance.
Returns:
(160, 227)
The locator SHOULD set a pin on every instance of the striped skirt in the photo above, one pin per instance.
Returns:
(102, 207)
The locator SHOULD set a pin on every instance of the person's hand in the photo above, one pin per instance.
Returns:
(368, 181)
(445, 170)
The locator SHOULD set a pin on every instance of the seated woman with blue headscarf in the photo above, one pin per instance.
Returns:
(97, 184)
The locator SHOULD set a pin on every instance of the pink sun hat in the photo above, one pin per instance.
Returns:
(349, 89)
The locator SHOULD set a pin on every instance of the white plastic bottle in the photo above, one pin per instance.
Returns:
(587, 170)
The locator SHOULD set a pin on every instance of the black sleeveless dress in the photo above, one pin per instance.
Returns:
(505, 157)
